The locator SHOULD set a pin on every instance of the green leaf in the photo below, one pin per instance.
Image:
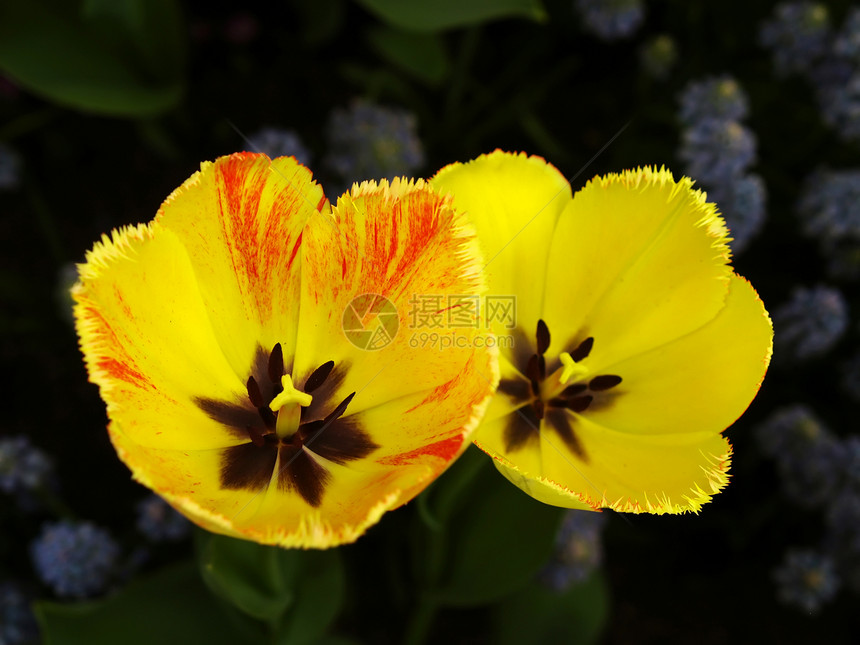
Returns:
(436, 15)
(149, 33)
(298, 593)
(422, 55)
(170, 607)
(536, 614)
(255, 578)
(492, 537)
(319, 589)
(106, 64)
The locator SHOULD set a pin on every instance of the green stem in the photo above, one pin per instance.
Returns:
(28, 123)
(421, 621)
(53, 503)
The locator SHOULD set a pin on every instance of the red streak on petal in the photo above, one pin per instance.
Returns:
(258, 239)
(125, 373)
(444, 449)
(295, 250)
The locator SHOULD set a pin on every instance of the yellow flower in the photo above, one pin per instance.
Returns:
(635, 343)
(246, 345)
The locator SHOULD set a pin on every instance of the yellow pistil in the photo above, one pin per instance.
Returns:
(289, 415)
(570, 368)
(289, 395)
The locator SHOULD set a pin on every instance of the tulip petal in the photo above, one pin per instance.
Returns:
(703, 380)
(514, 202)
(637, 259)
(241, 220)
(151, 349)
(627, 473)
(384, 246)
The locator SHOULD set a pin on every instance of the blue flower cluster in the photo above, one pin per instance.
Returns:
(718, 150)
(807, 579)
(364, 141)
(810, 324)
(802, 41)
(277, 142)
(818, 470)
(611, 19)
(17, 623)
(23, 467)
(75, 559)
(829, 210)
(578, 550)
(798, 35)
(368, 141)
(159, 522)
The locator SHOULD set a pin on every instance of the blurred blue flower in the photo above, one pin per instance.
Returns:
(809, 458)
(811, 478)
(159, 522)
(789, 430)
(807, 580)
(847, 43)
(75, 559)
(840, 105)
(10, 168)
(658, 56)
(277, 142)
(717, 151)
(851, 376)
(611, 19)
(368, 141)
(742, 203)
(810, 323)
(719, 97)
(829, 210)
(843, 519)
(17, 623)
(578, 550)
(797, 35)
(23, 467)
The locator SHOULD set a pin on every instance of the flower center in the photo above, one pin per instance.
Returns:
(289, 437)
(551, 396)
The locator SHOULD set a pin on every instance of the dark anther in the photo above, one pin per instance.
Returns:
(604, 382)
(537, 404)
(542, 337)
(276, 364)
(573, 390)
(580, 403)
(533, 372)
(254, 393)
(318, 376)
(583, 350)
(250, 465)
(257, 437)
(270, 419)
(340, 409)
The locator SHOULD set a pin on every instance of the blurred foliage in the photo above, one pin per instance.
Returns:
(123, 58)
